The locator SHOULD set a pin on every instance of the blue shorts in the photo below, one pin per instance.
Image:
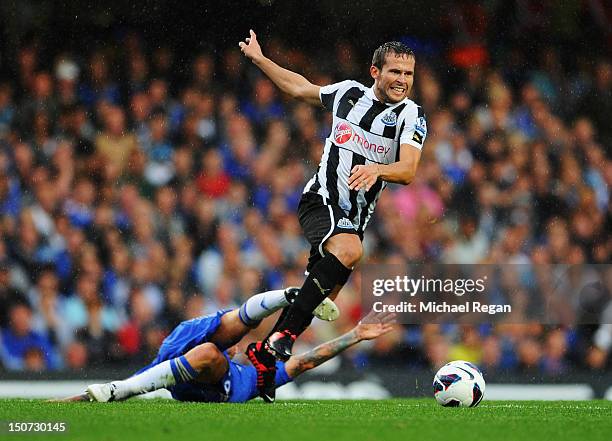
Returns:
(189, 334)
(239, 384)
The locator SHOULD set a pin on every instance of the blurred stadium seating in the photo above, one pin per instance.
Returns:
(143, 182)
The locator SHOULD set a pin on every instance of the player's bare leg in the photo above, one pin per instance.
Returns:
(209, 362)
(346, 247)
(231, 330)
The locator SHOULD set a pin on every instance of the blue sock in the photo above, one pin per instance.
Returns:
(182, 370)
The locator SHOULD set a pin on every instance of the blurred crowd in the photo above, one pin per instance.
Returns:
(136, 192)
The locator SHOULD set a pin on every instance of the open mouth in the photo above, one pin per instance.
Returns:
(399, 90)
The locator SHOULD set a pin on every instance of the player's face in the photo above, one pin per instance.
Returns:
(393, 82)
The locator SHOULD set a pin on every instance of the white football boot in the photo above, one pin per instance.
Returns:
(102, 393)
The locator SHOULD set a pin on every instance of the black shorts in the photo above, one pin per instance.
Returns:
(320, 221)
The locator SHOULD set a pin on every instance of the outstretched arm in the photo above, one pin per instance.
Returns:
(372, 326)
(400, 172)
(293, 84)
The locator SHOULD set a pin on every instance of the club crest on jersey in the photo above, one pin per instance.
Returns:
(342, 132)
(345, 223)
(390, 119)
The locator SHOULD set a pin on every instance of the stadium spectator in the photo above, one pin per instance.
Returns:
(22, 348)
(100, 87)
(9, 294)
(47, 316)
(84, 306)
(213, 181)
(114, 143)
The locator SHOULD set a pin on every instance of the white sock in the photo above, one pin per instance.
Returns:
(165, 374)
(261, 306)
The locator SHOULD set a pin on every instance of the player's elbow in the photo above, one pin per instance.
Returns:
(405, 180)
(407, 175)
(303, 90)
(297, 92)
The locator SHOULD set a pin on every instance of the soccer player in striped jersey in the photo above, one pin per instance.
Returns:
(376, 137)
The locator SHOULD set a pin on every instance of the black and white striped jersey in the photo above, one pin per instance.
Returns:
(364, 131)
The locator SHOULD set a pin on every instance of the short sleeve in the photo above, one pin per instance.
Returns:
(414, 129)
(331, 93)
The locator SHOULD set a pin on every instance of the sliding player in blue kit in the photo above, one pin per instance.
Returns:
(194, 362)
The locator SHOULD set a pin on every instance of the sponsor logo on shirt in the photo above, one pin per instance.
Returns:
(342, 132)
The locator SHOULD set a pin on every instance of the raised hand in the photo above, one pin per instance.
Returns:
(250, 47)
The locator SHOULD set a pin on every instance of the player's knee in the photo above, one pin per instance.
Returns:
(204, 355)
(349, 253)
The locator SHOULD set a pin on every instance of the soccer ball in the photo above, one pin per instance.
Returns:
(459, 384)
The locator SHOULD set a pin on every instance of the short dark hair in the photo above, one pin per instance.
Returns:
(380, 54)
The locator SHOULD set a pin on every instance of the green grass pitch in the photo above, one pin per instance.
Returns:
(406, 420)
